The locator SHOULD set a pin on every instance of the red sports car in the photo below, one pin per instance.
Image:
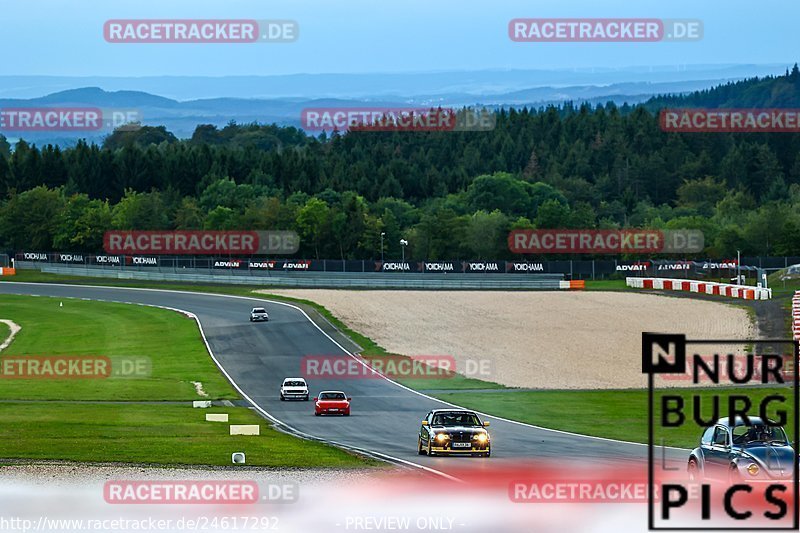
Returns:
(332, 402)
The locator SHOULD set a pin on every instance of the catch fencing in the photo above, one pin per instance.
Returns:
(571, 269)
(724, 269)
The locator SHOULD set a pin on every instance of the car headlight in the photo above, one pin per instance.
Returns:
(481, 437)
(753, 469)
(441, 437)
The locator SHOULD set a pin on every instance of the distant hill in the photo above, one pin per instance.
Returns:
(181, 117)
(97, 97)
(402, 85)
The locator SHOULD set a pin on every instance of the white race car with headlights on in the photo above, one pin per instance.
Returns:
(294, 389)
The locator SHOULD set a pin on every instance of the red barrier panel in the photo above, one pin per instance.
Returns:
(705, 287)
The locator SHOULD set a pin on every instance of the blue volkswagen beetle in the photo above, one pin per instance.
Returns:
(742, 453)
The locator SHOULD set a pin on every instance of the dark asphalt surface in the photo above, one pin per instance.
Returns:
(385, 416)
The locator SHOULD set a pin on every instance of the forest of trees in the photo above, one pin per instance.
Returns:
(450, 194)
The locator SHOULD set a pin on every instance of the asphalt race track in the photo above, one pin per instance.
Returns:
(385, 416)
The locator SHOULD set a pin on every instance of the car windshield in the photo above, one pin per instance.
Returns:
(259, 310)
(332, 396)
(456, 419)
(743, 435)
(294, 384)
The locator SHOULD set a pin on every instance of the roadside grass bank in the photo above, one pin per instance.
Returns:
(165, 347)
(619, 414)
(63, 424)
(616, 414)
(163, 434)
(5, 331)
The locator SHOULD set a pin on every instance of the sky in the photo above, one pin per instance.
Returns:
(65, 38)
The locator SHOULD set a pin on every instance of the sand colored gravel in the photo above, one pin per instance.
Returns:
(532, 339)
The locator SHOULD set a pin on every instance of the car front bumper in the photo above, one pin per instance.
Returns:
(259, 318)
(474, 448)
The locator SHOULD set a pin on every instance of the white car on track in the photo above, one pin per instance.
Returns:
(259, 314)
(294, 389)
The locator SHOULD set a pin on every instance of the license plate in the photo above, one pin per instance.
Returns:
(462, 445)
(333, 410)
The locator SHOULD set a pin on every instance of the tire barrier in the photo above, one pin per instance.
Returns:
(704, 287)
(796, 316)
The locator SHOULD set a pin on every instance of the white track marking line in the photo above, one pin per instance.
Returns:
(524, 424)
(280, 423)
(14, 327)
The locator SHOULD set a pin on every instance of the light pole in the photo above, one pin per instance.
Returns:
(738, 267)
(403, 244)
(382, 234)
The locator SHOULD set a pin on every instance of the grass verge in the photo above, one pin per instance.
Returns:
(131, 432)
(157, 434)
(612, 414)
(607, 285)
(5, 331)
(169, 342)
(619, 414)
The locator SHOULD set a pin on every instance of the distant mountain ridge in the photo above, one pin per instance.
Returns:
(182, 117)
(487, 82)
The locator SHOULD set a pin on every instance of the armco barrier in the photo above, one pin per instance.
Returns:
(322, 279)
(704, 287)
